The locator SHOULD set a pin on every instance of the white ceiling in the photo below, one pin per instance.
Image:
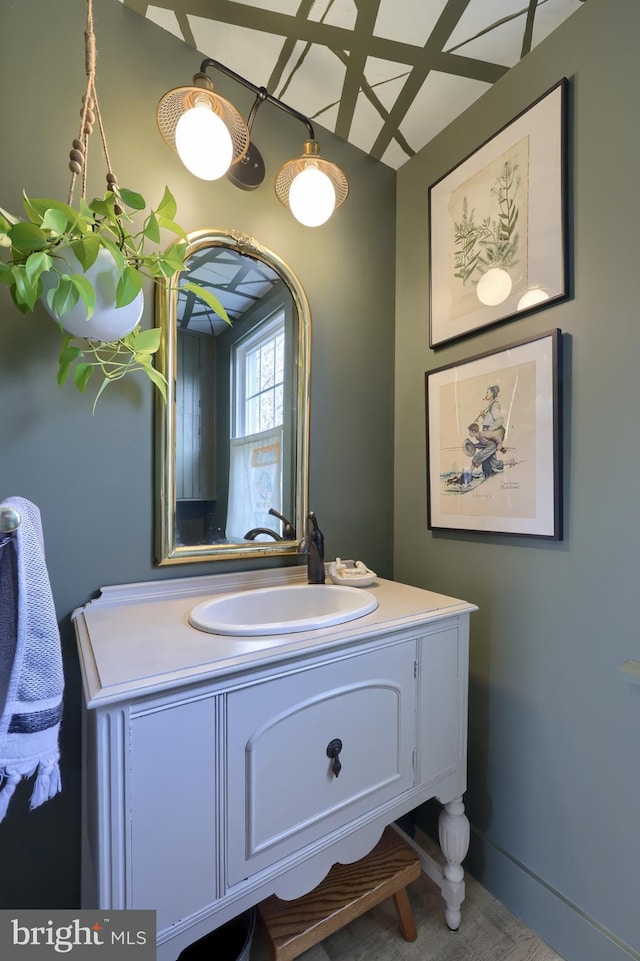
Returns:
(386, 75)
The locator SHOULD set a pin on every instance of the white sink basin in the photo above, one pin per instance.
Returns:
(282, 610)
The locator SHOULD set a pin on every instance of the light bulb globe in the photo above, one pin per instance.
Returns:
(312, 197)
(494, 286)
(532, 297)
(204, 143)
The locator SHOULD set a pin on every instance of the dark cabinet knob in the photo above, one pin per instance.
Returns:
(333, 750)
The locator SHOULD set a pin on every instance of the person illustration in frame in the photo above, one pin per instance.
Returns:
(485, 441)
(483, 445)
(491, 417)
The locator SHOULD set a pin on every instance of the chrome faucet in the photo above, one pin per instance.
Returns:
(313, 545)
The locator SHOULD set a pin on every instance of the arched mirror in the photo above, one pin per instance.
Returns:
(232, 439)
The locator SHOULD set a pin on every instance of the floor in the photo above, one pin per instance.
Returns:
(489, 932)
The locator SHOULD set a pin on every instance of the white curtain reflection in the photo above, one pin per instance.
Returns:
(255, 482)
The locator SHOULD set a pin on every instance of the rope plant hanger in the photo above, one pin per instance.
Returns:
(128, 349)
(90, 112)
(86, 262)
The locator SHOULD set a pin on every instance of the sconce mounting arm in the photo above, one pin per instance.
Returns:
(261, 93)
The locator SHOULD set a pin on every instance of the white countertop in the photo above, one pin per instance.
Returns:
(136, 638)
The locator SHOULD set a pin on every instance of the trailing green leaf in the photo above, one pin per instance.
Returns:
(99, 206)
(132, 199)
(27, 236)
(156, 377)
(115, 252)
(6, 219)
(37, 263)
(86, 291)
(86, 250)
(65, 297)
(81, 375)
(38, 245)
(54, 220)
(210, 300)
(167, 207)
(65, 359)
(147, 340)
(152, 229)
(167, 224)
(129, 286)
(26, 293)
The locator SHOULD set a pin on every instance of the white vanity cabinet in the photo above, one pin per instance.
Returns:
(220, 770)
(171, 781)
(286, 794)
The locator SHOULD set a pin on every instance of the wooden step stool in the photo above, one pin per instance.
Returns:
(348, 891)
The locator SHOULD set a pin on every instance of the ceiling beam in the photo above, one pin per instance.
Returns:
(527, 37)
(356, 64)
(294, 29)
(432, 51)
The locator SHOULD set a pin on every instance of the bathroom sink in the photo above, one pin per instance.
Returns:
(282, 610)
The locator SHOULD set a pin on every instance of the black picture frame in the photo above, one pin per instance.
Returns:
(498, 225)
(505, 477)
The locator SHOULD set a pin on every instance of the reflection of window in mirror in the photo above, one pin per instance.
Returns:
(258, 370)
(255, 467)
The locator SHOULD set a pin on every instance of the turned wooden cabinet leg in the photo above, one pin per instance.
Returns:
(406, 919)
(453, 828)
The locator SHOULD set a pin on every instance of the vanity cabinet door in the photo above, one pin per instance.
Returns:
(284, 791)
(442, 706)
(172, 790)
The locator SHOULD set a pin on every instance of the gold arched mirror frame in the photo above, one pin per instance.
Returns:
(172, 547)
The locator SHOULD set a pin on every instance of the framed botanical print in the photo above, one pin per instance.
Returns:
(493, 441)
(497, 225)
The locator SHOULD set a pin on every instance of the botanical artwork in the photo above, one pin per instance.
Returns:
(488, 464)
(493, 438)
(498, 225)
(489, 216)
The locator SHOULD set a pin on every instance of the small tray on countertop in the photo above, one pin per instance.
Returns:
(351, 573)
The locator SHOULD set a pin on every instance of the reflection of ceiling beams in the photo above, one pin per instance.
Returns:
(329, 59)
(238, 283)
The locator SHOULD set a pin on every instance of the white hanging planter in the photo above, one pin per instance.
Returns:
(108, 322)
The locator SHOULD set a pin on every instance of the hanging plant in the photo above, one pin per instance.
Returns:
(50, 258)
(86, 263)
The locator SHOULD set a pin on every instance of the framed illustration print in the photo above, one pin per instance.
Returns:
(493, 441)
(497, 225)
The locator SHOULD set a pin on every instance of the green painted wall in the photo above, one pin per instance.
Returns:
(554, 772)
(92, 476)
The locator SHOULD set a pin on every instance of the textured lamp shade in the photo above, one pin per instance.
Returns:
(191, 121)
(312, 188)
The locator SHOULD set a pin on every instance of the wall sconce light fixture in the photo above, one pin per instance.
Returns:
(212, 139)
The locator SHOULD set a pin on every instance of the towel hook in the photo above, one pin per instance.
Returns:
(9, 520)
